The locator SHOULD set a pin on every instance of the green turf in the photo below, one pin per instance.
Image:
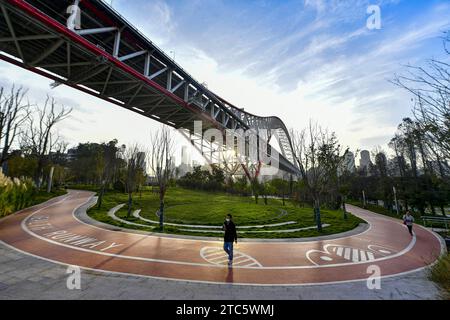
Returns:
(42, 196)
(197, 207)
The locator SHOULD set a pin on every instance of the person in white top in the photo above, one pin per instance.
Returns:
(408, 220)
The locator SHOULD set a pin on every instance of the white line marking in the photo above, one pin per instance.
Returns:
(209, 255)
(369, 254)
(315, 265)
(347, 253)
(442, 245)
(339, 251)
(363, 255)
(355, 256)
(237, 255)
(136, 214)
(128, 274)
(251, 264)
(161, 236)
(222, 261)
(242, 261)
(217, 258)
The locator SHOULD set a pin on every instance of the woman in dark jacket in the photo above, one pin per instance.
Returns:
(230, 236)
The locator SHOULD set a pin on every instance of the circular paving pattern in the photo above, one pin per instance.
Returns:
(51, 231)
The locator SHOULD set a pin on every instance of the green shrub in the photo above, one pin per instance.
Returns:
(440, 273)
(15, 194)
(119, 186)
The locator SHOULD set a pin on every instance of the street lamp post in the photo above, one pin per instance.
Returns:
(395, 199)
(344, 208)
(364, 199)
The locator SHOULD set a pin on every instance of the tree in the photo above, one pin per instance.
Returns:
(134, 161)
(256, 187)
(39, 139)
(160, 159)
(216, 178)
(430, 87)
(280, 187)
(87, 164)
(20, 165)
(13, 113)
(420, 185)
(110, 152)
(318, 155)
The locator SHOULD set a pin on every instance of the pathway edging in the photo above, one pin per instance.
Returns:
(81, 214)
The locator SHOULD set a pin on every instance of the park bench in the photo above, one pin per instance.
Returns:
(433, 220)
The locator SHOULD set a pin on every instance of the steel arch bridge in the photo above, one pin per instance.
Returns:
(107, 57)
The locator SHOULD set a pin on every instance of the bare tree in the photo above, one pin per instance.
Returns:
(318, 155)
(430, 87)
(134, 168)
(39, 138)
(160, 160)
(13, 113)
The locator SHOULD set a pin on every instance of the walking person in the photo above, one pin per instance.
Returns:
(408, 220)
(230, 236)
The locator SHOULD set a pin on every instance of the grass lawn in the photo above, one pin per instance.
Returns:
(185, 206)
(43, 196)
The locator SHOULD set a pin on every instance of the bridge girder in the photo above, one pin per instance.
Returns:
(110, 59)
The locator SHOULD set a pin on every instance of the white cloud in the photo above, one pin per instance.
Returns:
(317, 71)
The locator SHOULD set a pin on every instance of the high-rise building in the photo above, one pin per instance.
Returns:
(364, 161)
(349, 162)
(141, 161)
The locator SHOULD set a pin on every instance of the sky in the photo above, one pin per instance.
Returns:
(300, 60)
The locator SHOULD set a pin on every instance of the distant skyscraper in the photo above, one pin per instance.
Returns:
(364, 161)
(349, 162)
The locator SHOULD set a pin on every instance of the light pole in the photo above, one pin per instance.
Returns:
(364, 199)
(395, 199)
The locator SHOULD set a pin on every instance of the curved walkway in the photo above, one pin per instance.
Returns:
(137, 215)
(203, 228)
(52, 232)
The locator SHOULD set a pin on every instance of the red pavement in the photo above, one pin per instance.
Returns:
(51, 231)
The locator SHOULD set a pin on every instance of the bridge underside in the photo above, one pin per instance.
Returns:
(110, 59)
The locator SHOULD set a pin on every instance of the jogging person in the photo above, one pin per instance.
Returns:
(229, 237)
(408, 220)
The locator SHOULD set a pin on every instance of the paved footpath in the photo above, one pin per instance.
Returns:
(38, 244)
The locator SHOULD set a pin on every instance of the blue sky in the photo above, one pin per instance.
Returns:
(298, 60)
